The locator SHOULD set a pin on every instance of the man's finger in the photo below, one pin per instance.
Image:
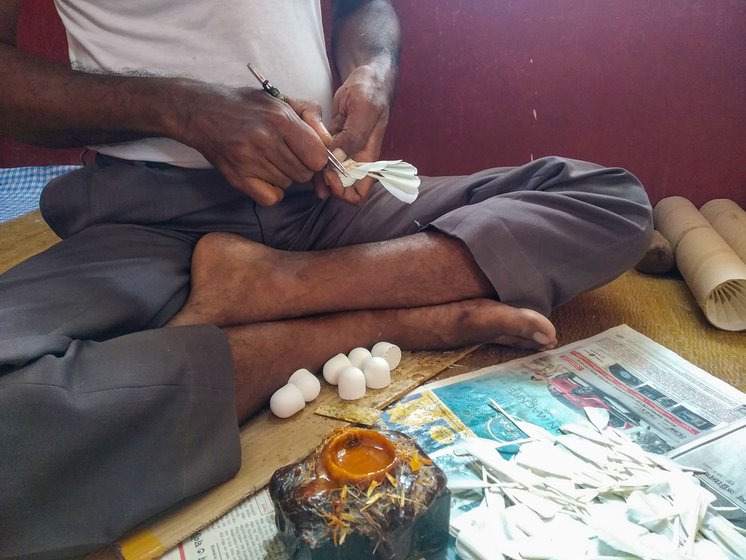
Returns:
(356, 194)
(286, 163)
(314, 121)
(310, 113)
(356, 131)
(362, 189)
(261, 192)
(320, 188)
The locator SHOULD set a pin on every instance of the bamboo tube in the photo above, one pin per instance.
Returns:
(729, 220)
(715, 274)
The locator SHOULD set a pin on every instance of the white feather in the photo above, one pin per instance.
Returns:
(397, 176)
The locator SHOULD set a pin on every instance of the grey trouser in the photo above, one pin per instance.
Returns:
(107, 417)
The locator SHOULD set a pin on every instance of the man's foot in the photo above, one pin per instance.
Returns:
(476, 321)
(236, 281)
(266, 354)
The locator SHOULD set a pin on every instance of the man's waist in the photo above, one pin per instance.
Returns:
(155, 152)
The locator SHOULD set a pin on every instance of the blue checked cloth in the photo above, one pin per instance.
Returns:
(20, 188)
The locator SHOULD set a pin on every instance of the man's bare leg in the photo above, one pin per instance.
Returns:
(266, 354)
(236, 281)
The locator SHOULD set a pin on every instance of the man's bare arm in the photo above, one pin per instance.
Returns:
(50, 104)
(46, 103)
(365, 46)
(366, 33)
(258, 143)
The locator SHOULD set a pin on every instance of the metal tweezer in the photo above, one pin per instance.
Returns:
(277, 94)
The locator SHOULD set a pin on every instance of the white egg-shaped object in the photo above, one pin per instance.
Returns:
(357, 356)
(334, 366)
(377, 372)
(307, 382)
(389, 352)
(286, 401)
(351, 384)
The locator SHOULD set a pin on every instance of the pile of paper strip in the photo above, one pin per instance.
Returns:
(587, 493)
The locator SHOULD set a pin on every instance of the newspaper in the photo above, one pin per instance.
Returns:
(656, 398)
(246, 532)
(659, 400)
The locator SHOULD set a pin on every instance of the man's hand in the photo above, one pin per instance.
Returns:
(361, 114)
(365, 44)
(260, 144)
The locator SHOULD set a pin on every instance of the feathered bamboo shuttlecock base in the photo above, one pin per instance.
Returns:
(397, 176)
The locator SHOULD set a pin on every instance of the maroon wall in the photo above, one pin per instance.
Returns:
(656, 87)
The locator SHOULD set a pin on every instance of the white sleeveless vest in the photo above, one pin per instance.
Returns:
(208, 41)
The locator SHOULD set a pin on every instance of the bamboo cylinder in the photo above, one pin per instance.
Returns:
(715, 274)
(729, 220)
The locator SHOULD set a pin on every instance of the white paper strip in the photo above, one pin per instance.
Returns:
(612, 500)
